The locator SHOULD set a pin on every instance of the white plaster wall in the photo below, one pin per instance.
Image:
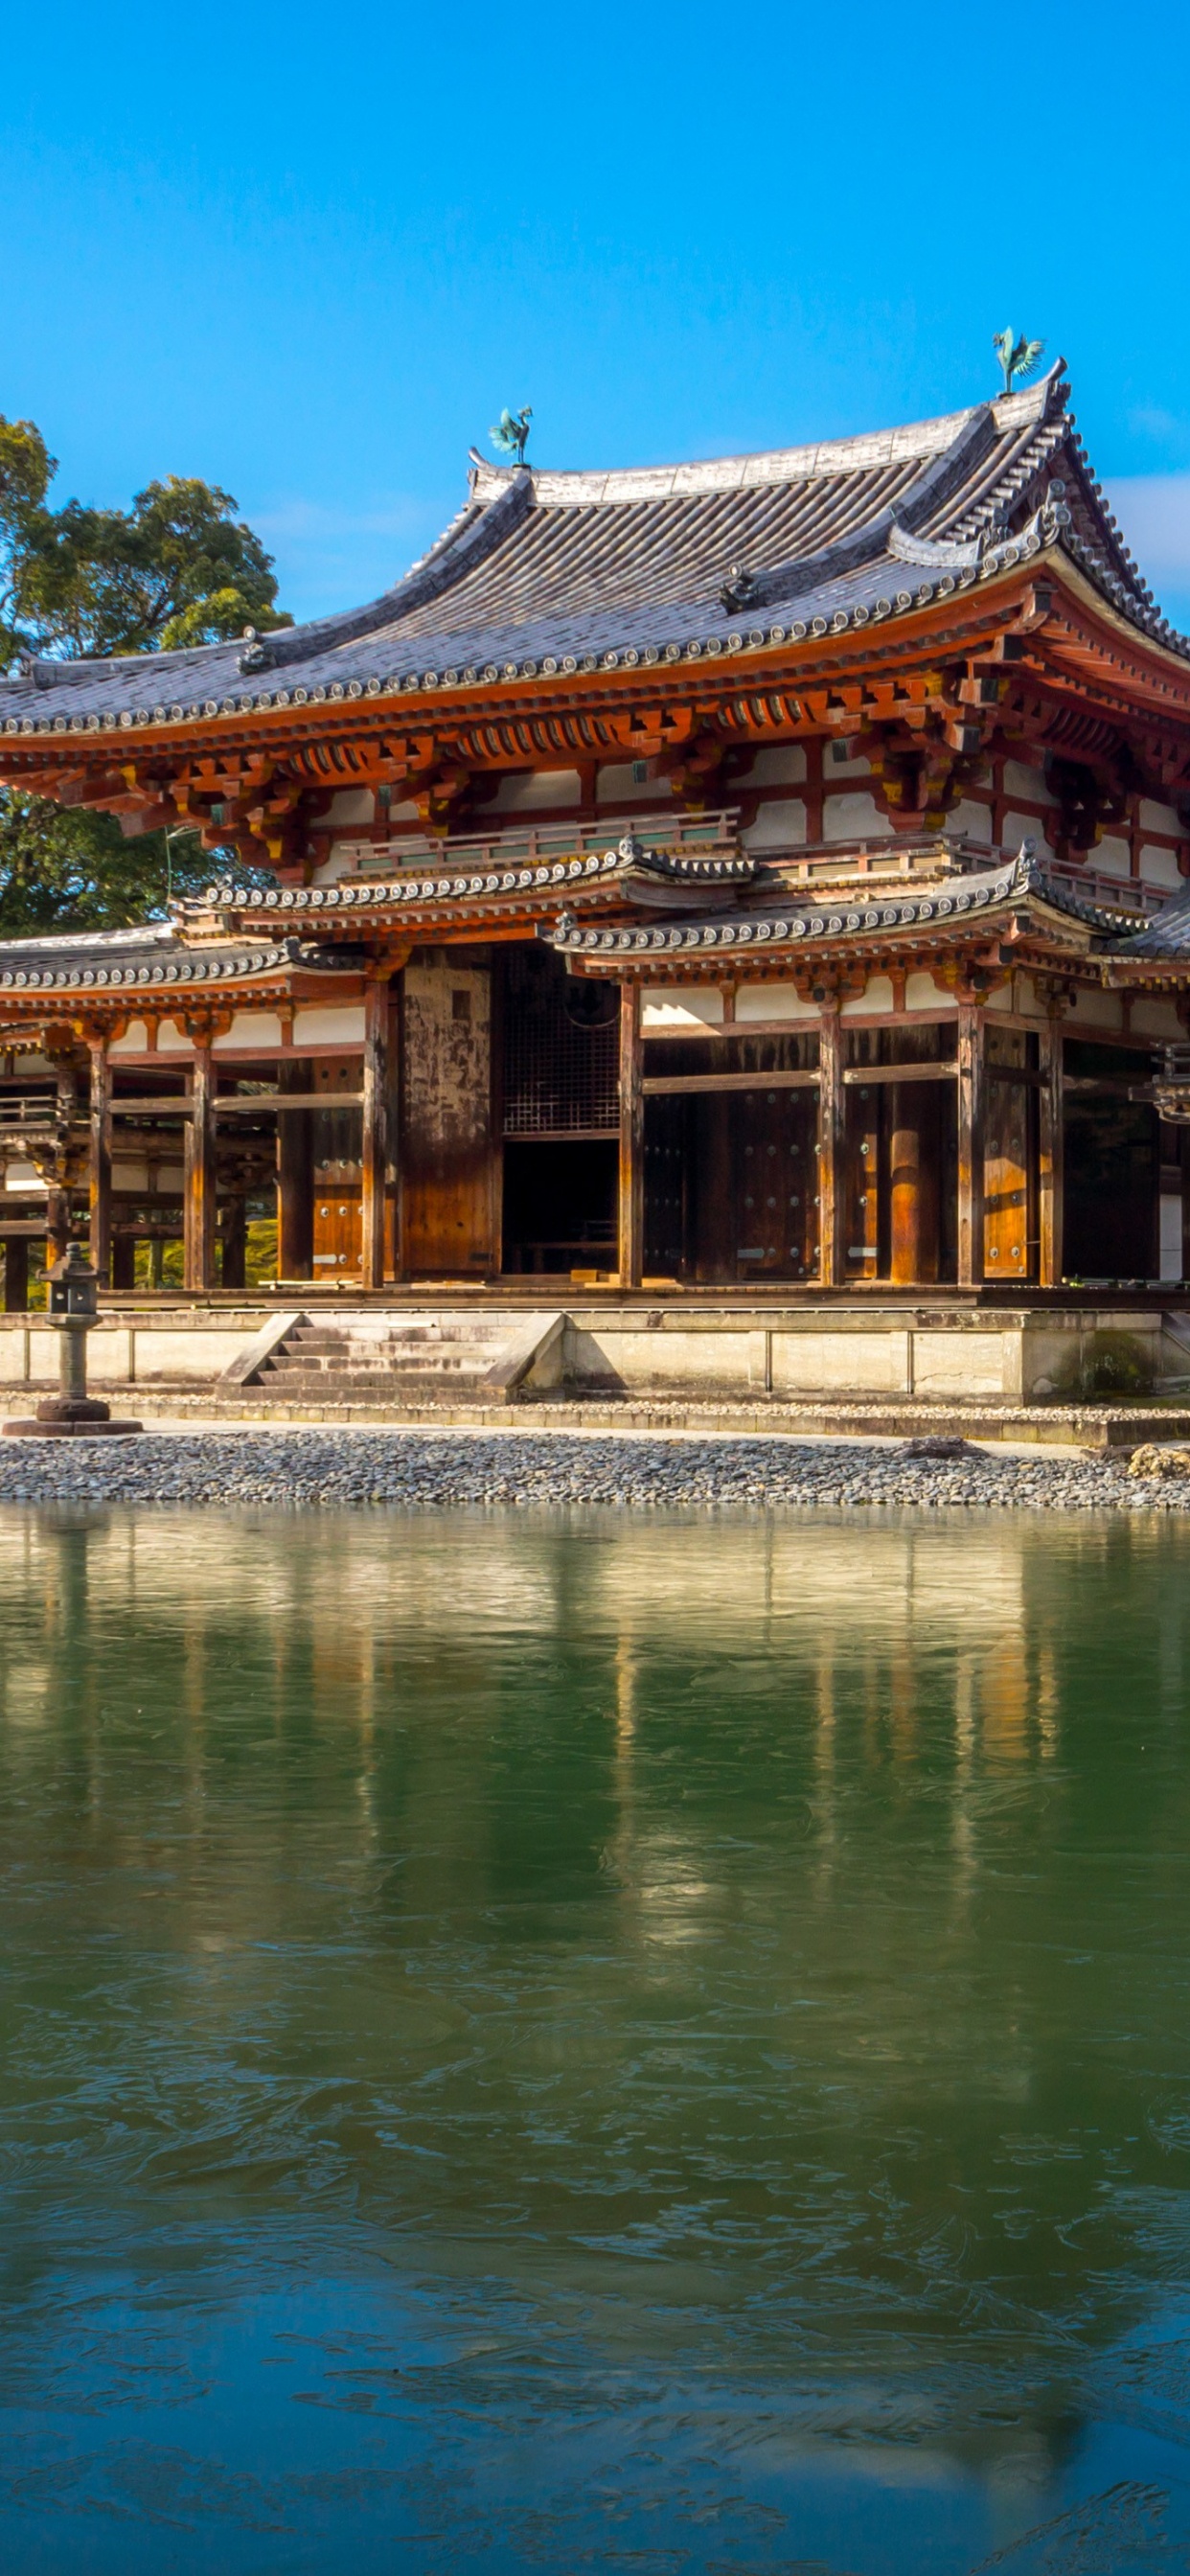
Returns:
(135, 1040)
(1152, 1018)
(348, 805)
(877, 995)
(1022, 780)
(680, 1011)
(773, 1002)
(853, 817)
(251, 1029)
(973, 820)
(1111, 856)
(780, 825)
(834, 767)
(1095, 1010)
(616, 785)
(923, 994)
(1159, 867)
(523, 789)
(21, 1176)
(782, 764)
(1024, 827)
(342, 1025)
(1159, 818)
(171, 1040)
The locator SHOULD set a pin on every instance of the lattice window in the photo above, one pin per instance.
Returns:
(561, 1050)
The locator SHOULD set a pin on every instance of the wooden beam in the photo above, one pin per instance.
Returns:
(1050, 1157)
(666, 1084)
(865, 1074)
(632, 1139)
(99, 1173)
(971, 1144)
(374, 1180)
(831, 1103)
(198, 1214)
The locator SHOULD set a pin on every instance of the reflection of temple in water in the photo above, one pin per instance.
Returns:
(738, 1867)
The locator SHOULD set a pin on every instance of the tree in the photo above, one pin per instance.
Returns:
(178, 568)
(64, 868)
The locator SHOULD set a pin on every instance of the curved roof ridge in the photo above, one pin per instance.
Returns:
(579, 487)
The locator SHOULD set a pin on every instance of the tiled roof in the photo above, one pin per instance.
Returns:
(545, 572)
(1167, 936)
(98, 961)
(794, 921)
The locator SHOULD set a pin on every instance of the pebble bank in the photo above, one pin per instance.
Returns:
(414, 1470)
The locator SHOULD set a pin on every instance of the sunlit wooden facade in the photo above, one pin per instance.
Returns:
(766, 872)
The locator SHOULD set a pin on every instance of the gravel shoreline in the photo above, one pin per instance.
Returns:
(416, 1470)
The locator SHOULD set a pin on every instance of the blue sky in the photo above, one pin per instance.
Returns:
(309, 252)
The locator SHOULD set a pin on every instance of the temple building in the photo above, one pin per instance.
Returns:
(764, 873)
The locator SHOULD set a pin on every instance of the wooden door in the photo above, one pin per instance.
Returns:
(774, 1135)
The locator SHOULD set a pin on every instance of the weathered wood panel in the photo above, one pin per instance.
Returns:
(447, 1144)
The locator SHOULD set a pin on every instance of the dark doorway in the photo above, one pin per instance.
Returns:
(560, 1205)
(731, 1177)
(1112, 1165)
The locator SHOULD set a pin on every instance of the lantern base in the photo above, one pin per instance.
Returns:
(79, 1417)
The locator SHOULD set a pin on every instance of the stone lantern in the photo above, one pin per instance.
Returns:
(73, 1311)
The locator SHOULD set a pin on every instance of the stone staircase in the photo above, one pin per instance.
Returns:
(399, 1360)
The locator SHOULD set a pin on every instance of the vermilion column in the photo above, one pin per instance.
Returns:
(632, 1139)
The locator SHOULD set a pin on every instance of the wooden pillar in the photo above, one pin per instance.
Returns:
(971, 1144)
(914, 1146)
(198, 1216)
(1050, 1143)
(632, 1139)
(57, 1223)
(16, 1274)
(124, 1261)
(374, 1181)
(233, 1234)
(832, 1100)
(295, 1178)
(99, 1175)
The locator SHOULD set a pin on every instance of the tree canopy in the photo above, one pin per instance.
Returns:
(177, 568)
(64, 868)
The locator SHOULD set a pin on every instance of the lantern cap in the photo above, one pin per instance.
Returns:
(73, 1265)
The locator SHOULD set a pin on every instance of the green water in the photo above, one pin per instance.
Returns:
(644, 2044)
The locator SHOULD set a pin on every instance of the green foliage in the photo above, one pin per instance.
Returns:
(68, 869)
(1109, 1364)
(176, 569)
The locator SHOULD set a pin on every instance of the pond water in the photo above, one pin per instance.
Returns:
(619, 2043)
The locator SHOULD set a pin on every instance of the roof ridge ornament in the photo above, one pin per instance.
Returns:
(510, 434)
(1017, 355)
(740, 588)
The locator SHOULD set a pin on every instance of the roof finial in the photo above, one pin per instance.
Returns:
(1018, 357)
(510, 434)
